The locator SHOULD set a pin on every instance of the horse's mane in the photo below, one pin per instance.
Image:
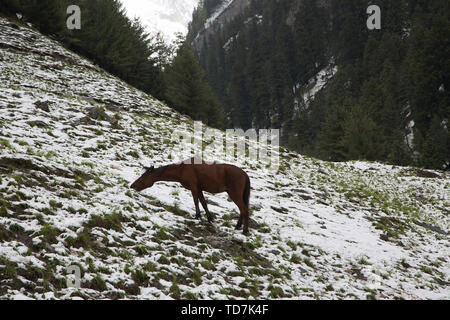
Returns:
(160, 170)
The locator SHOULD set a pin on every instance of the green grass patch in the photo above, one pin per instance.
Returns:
(108, 221)
(97, 283)
(50, 233)
(275, 292)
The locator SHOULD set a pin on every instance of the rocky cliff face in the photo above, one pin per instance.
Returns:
(224, 13)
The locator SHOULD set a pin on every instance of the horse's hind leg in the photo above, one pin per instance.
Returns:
(243, 217)
(204, 204)
(235, 199)
(247, 219)
(239, 224)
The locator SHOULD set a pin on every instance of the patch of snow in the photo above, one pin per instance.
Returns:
(223, 6)
(319, 82)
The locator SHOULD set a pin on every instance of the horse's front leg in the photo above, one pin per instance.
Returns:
(203, 201)
(197, 208)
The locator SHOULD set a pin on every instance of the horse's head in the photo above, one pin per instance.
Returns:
(146, 180)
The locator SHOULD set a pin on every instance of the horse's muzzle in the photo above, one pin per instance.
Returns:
(135, 187)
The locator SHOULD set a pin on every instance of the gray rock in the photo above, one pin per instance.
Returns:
(99, 114)
(43, 105)
(38, 123)
(305, 196)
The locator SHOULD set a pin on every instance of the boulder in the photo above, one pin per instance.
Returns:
(43, 105)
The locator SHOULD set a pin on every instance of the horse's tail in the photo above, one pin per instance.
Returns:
(247, 192)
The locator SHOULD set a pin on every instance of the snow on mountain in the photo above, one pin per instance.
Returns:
(225, 11)
(219, 10)
(73, 138)
(168, 16)
(305, 95)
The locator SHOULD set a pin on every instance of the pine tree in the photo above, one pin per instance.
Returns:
(9, 6)
(428, 70)
(362, 138)
(187, 90)
(436, 145)
(47, 15)
(349, 31)
(309, 33)
(119, 45)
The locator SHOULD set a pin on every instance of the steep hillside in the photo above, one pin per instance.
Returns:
(73, 138)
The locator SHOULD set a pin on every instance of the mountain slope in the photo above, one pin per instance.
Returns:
(73, 138)
(337, 90)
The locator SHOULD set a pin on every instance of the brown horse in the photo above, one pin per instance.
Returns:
(198, 176)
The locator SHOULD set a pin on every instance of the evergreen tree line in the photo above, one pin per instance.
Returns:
(122, 47)
(392, 84)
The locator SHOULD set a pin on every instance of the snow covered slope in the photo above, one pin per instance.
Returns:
(166, 16)
(73, 138)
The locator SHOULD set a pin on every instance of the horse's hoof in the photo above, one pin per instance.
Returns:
(245, 232)
(238, 227)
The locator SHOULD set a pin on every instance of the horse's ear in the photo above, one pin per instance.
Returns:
(149, 168)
